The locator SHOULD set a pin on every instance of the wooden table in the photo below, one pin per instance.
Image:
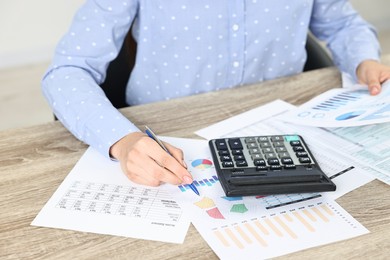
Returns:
(35, 160)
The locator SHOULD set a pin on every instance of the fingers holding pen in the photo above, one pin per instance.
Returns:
(145, 162)
(172, 162)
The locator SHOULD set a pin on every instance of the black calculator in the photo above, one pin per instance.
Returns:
(264, 165)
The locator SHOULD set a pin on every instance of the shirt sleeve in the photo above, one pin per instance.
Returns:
(71, 83)
(349, 37)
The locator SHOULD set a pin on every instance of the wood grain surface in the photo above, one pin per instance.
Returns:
(35, 160)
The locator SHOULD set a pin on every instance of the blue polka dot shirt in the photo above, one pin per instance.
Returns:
(187, 47)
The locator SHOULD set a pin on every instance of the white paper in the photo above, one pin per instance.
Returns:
(97, 197)
(256, 227)
(343, 107)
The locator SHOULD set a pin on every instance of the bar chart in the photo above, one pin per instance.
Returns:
(285, 230)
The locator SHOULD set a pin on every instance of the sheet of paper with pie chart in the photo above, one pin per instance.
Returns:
(343, 107)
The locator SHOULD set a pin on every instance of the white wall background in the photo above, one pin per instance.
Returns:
(376, 12)
(30, 29)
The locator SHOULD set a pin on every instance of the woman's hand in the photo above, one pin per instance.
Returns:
(145, 162)
(372, 74)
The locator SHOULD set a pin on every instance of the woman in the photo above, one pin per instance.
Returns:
(186, 47)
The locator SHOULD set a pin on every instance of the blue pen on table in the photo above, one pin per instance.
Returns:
(152, 135)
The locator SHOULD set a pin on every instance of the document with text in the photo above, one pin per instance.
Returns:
(97, 197)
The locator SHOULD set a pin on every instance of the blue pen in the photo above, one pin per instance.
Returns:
(152, 135)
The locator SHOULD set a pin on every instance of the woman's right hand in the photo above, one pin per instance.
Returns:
(144, 162)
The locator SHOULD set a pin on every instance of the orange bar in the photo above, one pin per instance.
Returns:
(285, 227)
(256, 235)
(273, 227)
(319, 213)
(234, 238)
(261, 227)
(288, 217)
(243, 234)
(221, 238)
(303, 221)
(309, 215)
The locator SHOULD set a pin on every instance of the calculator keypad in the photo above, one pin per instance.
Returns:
(260, 165)
(265, 153)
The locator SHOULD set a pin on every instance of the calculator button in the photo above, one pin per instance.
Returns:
(254, 151)
(261, 168)
(271, 156)
(223, 152)
(263, 139)
(259, 162)
(275, 167)
(298, 149)
(280, 149)
(265, 144)
(252, 145)
(250, 140)
(304, 160)
(301, 154)
(221, 144)
(284, 155)
(235, 143)
(225, 158)
(256, 156)
(228, 164)
(267, 150)
(273, 161)
(295, 143)
(289, 166)
(287, 161)
(241, 163)
(277, 138)
(239, 157)
(278, 144)
(236, 152)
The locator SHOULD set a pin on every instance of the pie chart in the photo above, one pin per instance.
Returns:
(202, 164)
(350, 115)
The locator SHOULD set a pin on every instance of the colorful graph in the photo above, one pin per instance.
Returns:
(200, 183)
(340, 100)
(239, 208)
(202, 164)
(293, 224)
(350, 115)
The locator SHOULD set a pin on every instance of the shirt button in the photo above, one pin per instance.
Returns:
(236, 64)
(235, 27)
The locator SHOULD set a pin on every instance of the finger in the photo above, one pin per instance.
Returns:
(373, 83)
(137, 174)
(155, 171)
(176, 153)
(170, 163)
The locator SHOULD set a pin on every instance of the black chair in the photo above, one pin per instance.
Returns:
(119, 70)
(118, 73)
(317, 57)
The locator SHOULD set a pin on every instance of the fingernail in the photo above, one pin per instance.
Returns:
(187, 179)
(374, 90)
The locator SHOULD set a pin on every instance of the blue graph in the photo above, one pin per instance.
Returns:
(200, 183)
(340, 100)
